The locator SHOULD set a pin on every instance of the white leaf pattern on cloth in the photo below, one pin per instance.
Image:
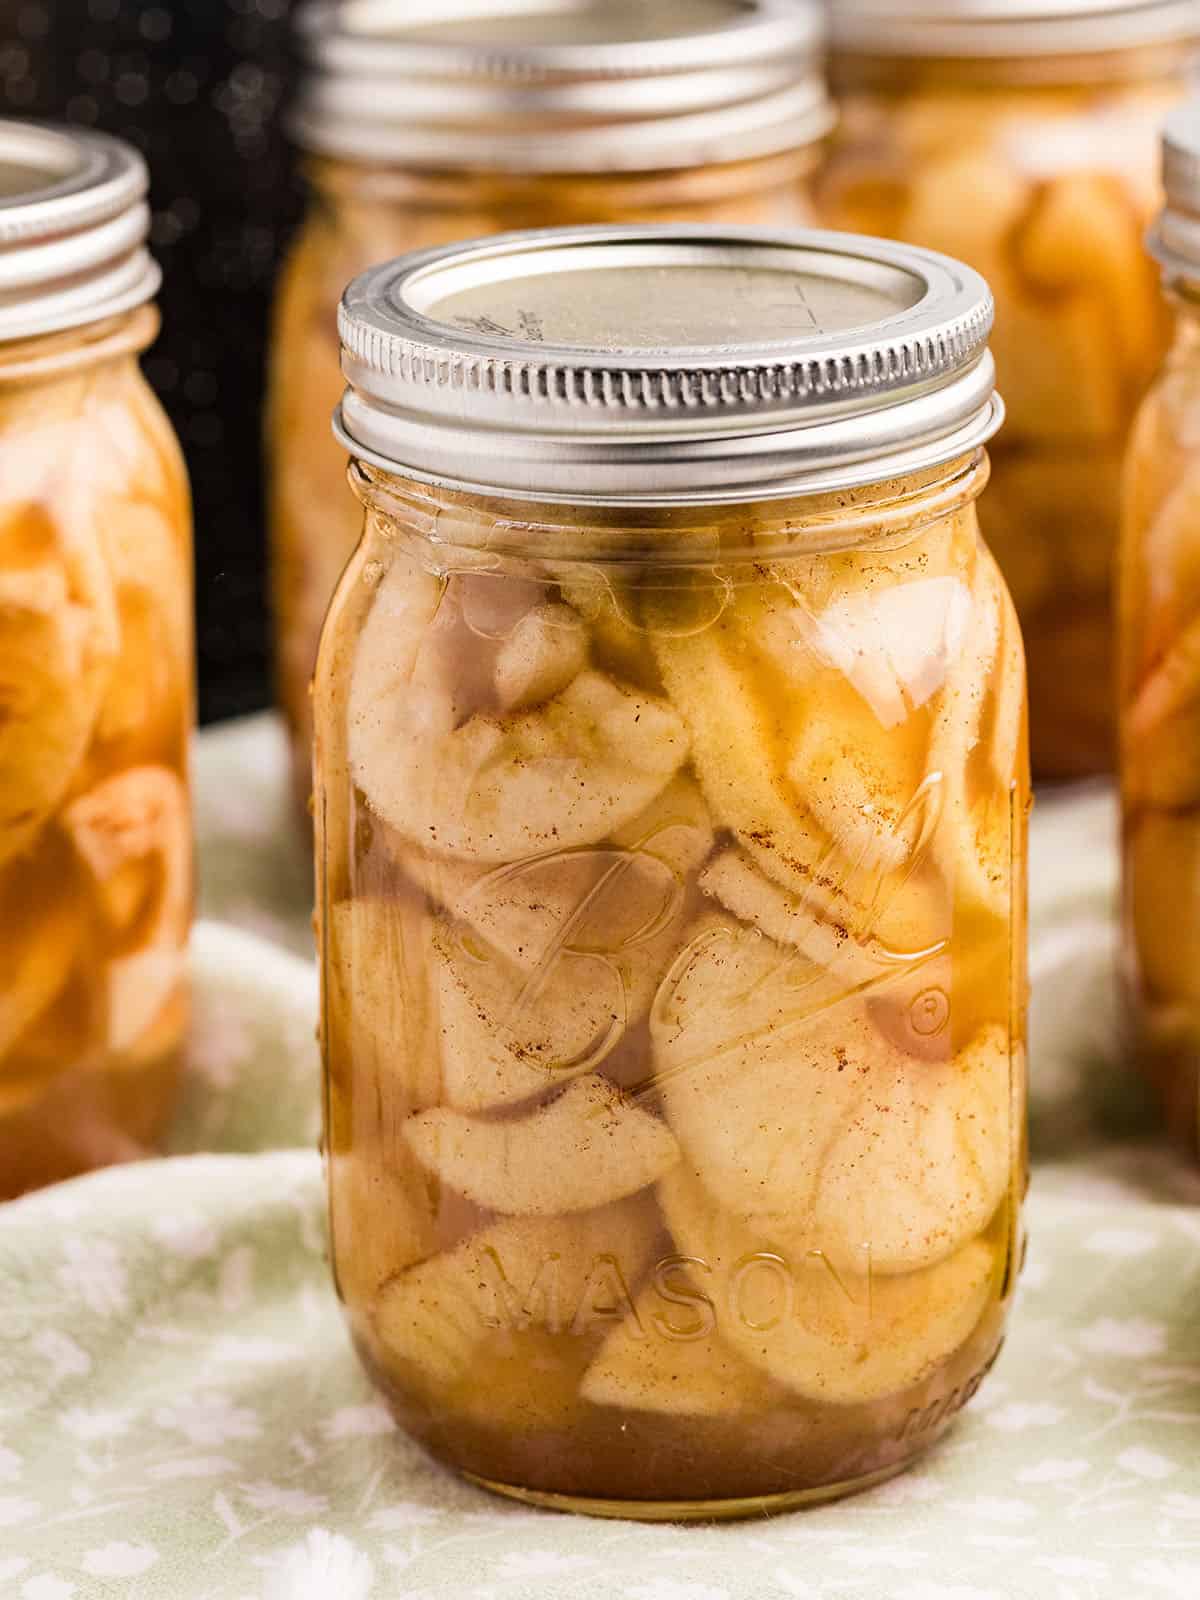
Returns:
(209, 1419)
(325, 1567)
(359, 1422)
(878, 1556)
(96, 1275)
(1135, 1338)
(46, 1586)
(1073, 1567)
(1053, 1471)
(1180, 1579)
(1146, 1463)
(87, 1425)
(66, 1358)
(291, 1502)
(175, 1376)
(1120, 1242)
(181, 1234)
(675, 1589)
(541, 1564)
(119, 1560)
(15, 1509)
(1018, 1416)
(996, 1508)
(195, 1467)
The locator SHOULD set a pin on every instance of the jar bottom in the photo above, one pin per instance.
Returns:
(1172, 1068)
(735, 1510)
(651, 1468)
(89, 1118)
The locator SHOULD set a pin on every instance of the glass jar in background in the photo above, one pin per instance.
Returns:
(1160, 671)
(424, 132)
(96, 675)
(1028, 145)
(671, 794)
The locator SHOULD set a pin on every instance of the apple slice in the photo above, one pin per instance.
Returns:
(545, 651)
(583, 1149)
(741, 737)
(52, 675)
(132, 833)
(973, 844)
(382, 1220)
(556, 958)
(894, 644)
(735, 742)
(380, 1012)
(148, 695)
(1163, 891)
(507, 1034)
(613, 899)
(502, 788)
(618, 644)
(40, 936)
(733, 880)
(1162, 725)
(674, 1368)
(1082, 245)
(805, 1115)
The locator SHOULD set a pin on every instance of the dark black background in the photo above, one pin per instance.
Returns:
(198, 86)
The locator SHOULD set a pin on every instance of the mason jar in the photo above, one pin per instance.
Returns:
(470, 120)
(1024, 140)
(671, 799)
(96, 677)
(1160, 670)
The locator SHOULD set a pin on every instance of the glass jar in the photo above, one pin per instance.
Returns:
(1160, 672)
(671, 790)
(96, 671)
(1028, 145)
(479, 124)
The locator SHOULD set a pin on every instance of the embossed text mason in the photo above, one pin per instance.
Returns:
(671, 791)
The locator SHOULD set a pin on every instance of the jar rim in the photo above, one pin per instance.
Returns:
(819, 521)
(45, 357)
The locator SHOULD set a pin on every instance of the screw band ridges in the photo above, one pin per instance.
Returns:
(649, 388)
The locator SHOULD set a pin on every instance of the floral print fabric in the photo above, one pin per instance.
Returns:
(182, 1416)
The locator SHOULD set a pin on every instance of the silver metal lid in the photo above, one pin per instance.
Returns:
(685, 365)
(561, 85)
(73, 226)
(1008, 28)
(1175, 238)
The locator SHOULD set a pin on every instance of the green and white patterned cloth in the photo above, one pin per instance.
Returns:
(182, 1417)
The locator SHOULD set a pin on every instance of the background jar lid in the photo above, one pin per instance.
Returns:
(1175, 240)
(1008, 28)
(685, 365)
(561, 85)
(73, 227)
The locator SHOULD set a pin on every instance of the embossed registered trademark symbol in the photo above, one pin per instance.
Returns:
(929, 1013)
